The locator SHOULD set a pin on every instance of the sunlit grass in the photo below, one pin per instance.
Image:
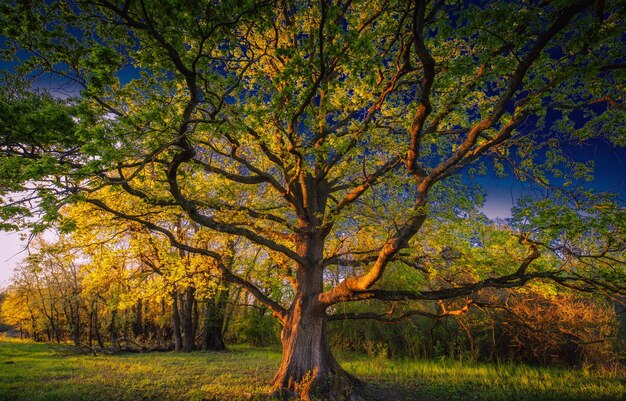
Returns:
(453, 380)
(38, 372)
(41, 372)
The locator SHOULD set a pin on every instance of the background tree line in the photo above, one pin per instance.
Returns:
(111, 286)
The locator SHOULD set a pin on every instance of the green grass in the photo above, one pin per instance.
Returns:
(453, 380)
(39, 372)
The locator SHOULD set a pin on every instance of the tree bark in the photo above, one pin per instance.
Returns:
(138, 324)
(165, 330)
(77, 327)
(178, 338)
(57, 325)
(196, 316)
(90, 336)
(189, 334)
(96, 325)
(308, 369)
(212, 336)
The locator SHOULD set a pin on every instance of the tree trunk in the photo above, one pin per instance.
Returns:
(189, 334)
(165, 330)
(68, 312)
(178, 338)
(138, 323)
(33, 322)
(90, 336)
(308, 368)
(212, 336)
(96, 325)
(112, 327)
(196, 316)
(57, 325)
(77, 322)
(77, 328)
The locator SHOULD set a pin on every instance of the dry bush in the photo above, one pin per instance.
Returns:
(563, 329)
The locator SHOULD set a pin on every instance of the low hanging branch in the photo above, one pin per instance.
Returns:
(516, 279)
(389, 318)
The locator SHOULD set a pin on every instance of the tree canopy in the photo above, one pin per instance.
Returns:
(333, 135)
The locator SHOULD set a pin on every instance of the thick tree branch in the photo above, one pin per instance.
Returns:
(389, 318)
(348, 291)
(385, 255)
(424, 107)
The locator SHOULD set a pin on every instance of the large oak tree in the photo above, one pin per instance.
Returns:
(327, 133)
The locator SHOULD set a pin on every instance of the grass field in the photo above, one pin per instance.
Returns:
(37, 372)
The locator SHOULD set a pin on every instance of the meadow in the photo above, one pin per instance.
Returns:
(42, 372)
